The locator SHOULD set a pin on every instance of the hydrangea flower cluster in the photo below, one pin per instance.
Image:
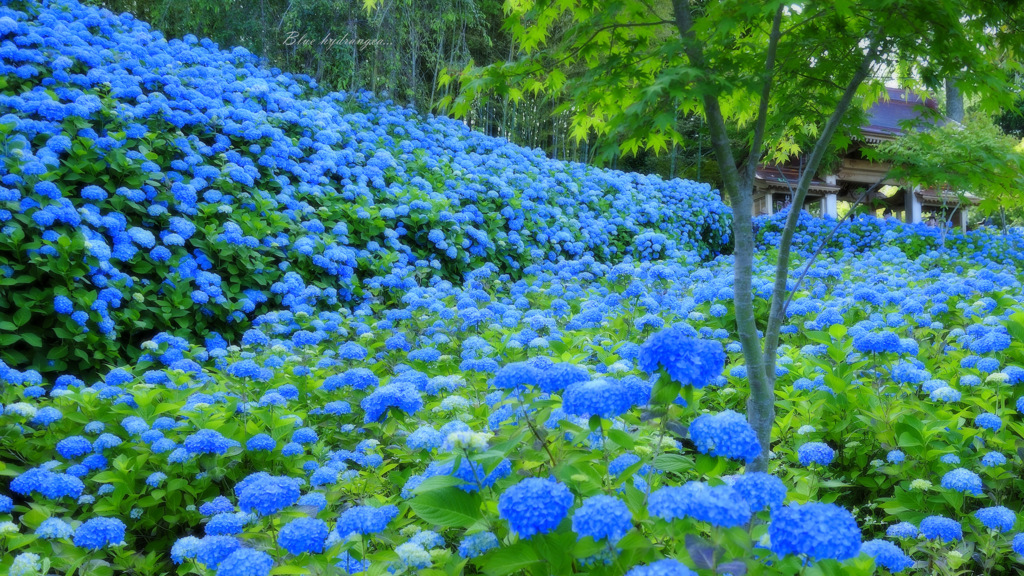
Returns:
(535, 506)
(725, 434)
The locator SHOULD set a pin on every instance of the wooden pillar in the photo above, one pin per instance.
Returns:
(913, 206)
(830, 206)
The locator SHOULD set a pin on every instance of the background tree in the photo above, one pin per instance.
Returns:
(793, 78)
(401, 49)
(974, 157)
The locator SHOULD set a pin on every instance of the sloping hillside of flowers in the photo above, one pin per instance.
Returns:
(459, 357)
(151, 185)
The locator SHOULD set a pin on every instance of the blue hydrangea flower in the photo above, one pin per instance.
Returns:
(895, 456)
(46, 416)
(877, 342)
(559, 376)
(267, 494)
(95, 533)
(424, 438)
(606, 398)
(602, 517)
(401, 396)
(962, 480)
(945, 394)
(686, 360)
(988, 421)
(902, 530)
(303, 535)
(50, 484)
(725, 434)
(212, 550)
(260, 442)
(664, 567)
(477, 544)
(413, 556)
(63, 305)
(991, 459)
(998, 518)
(535, 506)
(815, 453)
(218, 505)
(817, 530)
(945, 529)
(25, 564)
(208, 441)
(365, 520)
(887, 555)
(760, 490)
(1018, 544)
(304, 436)
(225, 524)
(717, 505)
(54, 528)
(73, 447)
(245, 562)
(428, 539)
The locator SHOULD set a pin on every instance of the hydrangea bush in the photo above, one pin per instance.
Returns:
(150, 185)
(539, 415)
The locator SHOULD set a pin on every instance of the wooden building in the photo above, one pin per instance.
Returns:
(774, 184)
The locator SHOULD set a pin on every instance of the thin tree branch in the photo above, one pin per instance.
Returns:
(775, 316)
(821, 245)
(762, 111)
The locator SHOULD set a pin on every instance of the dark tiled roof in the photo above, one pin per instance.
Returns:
(932, 198)
(885, 116)
(786, 176)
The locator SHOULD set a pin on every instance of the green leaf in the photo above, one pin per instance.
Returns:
(514, 558)
(1016, 328)
(447, 507)
(22, 316)
(436, 483)
(673, 463)
(622, 439)
(665, 391)
(289, 570)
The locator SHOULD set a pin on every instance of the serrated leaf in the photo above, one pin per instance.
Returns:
(437, 483)
(504, 561)
(672, 463)
(1016, 330)
(448, 507)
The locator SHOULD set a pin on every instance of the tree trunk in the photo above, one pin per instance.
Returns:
(954, 101)
(414, 53)
(761, 401)
(353, 32)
